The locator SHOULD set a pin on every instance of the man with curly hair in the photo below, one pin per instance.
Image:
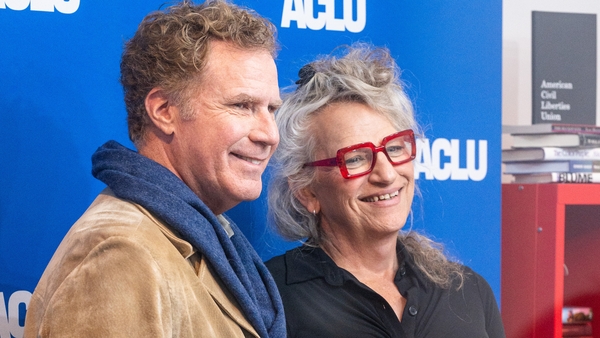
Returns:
(154, 255)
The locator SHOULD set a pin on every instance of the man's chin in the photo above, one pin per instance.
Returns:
(250, 191)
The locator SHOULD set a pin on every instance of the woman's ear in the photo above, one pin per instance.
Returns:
(160, 111)
(307, 198)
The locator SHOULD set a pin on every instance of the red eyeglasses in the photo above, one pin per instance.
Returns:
(359, 159)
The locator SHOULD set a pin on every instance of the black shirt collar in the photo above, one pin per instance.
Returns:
(306, 263)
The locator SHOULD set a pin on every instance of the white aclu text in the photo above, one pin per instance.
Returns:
(62, 6)
(10, 319)
(441, 160)
(303, 13)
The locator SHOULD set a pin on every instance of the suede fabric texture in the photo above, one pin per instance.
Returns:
(136, 178)
(121, 272)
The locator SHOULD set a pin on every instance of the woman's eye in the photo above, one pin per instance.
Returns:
(395, 150)
(355, 161)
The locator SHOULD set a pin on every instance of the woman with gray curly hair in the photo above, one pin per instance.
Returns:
(343, 182)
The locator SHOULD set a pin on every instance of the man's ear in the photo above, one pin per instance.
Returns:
(160, 110)
(308, 199)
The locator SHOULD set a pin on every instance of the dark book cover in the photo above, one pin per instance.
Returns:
(564, 68)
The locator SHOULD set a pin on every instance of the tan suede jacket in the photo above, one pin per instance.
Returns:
(120, 272)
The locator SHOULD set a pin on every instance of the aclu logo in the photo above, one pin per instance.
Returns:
(307, 15)
(11, 321)
(62, 6)
(443, 160)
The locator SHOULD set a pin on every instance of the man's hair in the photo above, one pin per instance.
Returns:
(170, 47)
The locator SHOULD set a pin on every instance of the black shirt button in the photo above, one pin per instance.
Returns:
(412, 310)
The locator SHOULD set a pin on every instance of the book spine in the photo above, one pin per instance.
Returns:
(584, 166)
(575, 129)
(555, 153)
(560, 128)
(589, 140)
(576, 177)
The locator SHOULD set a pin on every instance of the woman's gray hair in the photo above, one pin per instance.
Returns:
(362, 74)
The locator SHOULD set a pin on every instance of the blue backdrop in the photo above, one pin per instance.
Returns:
(60, 99)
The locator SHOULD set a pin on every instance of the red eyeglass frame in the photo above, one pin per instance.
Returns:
(339, 159)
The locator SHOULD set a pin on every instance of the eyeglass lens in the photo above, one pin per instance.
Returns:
(360, 160)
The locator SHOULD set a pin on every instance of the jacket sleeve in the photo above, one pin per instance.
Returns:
(116, 291)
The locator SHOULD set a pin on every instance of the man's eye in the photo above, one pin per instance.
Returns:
(242, 105)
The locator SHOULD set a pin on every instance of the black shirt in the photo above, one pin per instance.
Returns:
(322, 300)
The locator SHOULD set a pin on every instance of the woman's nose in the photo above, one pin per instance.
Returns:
(383, 171)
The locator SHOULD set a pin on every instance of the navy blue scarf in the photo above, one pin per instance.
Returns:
(136, 178)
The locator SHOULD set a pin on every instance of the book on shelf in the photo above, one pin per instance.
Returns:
(557, 178)
(531, 167)
(577, 314)
(577, 321)
(555, 140)
(551, 128)
(563, 64)
(550, 154)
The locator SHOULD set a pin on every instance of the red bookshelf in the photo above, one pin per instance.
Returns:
(546, 227)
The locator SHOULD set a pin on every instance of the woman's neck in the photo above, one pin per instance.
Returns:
(374, 263)
(368, 257)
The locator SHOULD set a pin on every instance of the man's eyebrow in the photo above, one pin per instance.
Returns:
(243, 98)
(251, 99)
(276, 103)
